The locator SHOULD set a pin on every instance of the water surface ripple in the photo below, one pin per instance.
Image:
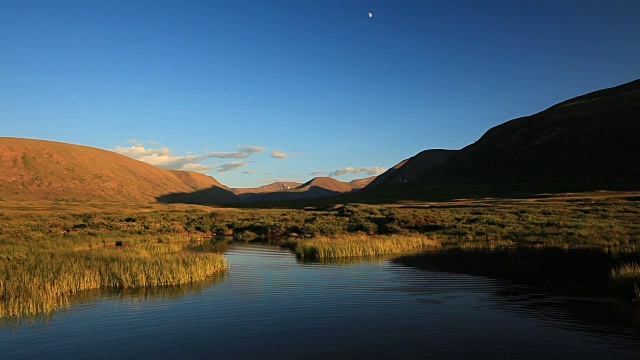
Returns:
(269, 305)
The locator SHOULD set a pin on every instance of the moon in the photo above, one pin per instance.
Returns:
(370, 14)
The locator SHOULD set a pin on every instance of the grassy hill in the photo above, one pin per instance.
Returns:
(37, 170)
(586, 143)
(47, 170)
(196, 180)
(276, 186)
(318, 187)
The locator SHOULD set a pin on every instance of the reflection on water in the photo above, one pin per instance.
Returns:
(566, 288)
(345, 260)
(84, 299)
(270, 306)
(569, 271)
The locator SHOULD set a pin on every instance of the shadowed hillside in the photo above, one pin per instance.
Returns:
(205, 190)
(315, 188)
(359, 184)
(409, 169)
(586, 143)
(326, 183)
(276, 186)
(196, 180)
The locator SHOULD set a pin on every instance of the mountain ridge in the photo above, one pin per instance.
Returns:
(584, 143)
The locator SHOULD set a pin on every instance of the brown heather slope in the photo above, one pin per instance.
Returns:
(358, 184)
(276, 186)
(326, 183)
(315, 188)
(586, 143)
(47, 170)
(196, 180)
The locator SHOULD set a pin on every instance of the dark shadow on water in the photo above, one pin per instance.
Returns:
(567, 288)
(567, 271)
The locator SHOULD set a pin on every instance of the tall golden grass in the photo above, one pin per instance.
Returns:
(626, 278)
(361, 245)
(41, 281)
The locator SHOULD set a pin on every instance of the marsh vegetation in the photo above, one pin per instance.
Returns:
(47, 256)
(41, 278)
(323, 247)
(626, 278)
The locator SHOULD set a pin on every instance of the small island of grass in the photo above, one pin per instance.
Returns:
(323, 247)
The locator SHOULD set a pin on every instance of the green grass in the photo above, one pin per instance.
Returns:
(41, 280)
(360, 245)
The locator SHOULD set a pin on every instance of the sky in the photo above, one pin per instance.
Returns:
(252, 92)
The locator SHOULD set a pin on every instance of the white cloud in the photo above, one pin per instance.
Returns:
(197, 167)
(159, 157)
(318, 172)
(374, 170)
(232, 166)
(242, 153)
(162, 157)
(279, 155)
(248, 172)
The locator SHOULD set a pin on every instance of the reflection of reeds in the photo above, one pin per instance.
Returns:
(626, 278)
(360, 245)
(42, 281)
(133, 295)
(344, 261)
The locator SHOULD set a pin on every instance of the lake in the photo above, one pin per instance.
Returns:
(268, 305)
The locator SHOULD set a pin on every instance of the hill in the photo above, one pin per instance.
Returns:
(315, 188)
(276, 186)
(586, 143)
(412, 168)
(47, 170)
(196, 180)
(358, 184)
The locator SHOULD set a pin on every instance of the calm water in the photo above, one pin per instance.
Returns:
(270, 306)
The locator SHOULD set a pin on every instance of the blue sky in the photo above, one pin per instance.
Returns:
(254, 91)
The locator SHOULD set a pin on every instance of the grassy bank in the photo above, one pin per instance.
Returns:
(626, 279)
(360, 245)
(560, 222)
(29, 239)
(37, 280)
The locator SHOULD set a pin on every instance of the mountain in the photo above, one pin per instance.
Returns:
(358, 184)
(315, 188)
(196, 180)
(326, 183)
(276, 186)
(409, 169)
(47, 170)
(586, 143)
(205, 190)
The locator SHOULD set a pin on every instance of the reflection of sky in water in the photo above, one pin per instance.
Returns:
(269, 306)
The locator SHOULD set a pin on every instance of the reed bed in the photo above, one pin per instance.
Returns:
(361, 245)
(626, 278)
(42, 280)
